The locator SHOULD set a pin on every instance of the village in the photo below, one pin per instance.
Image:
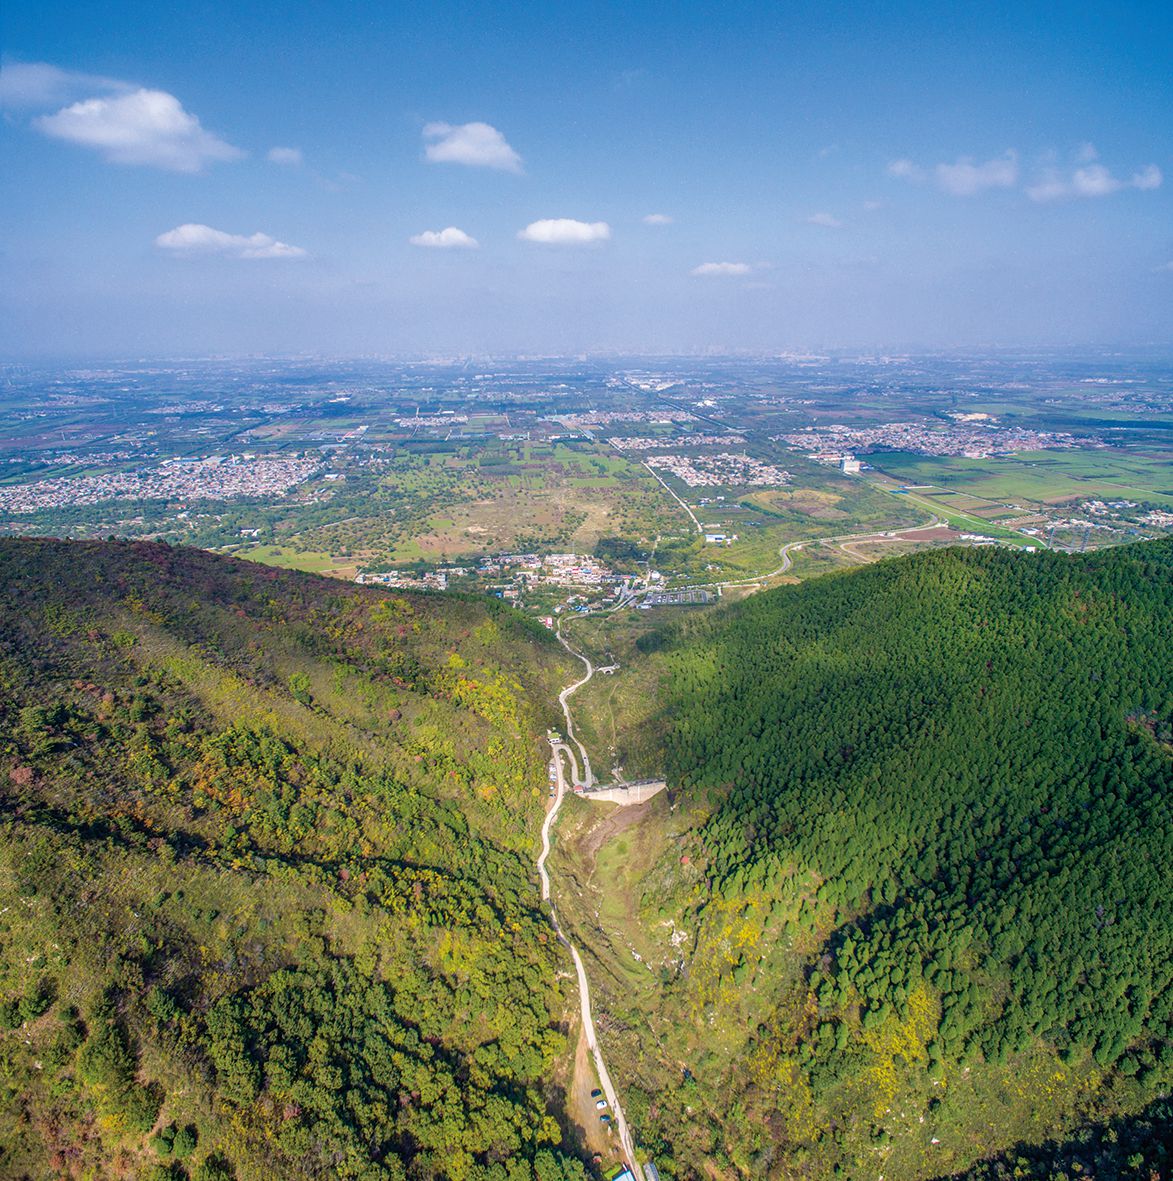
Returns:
(652, 442)
(211, 478)
(596, 418)
(726, 469)
(973, 441)
(514, 576)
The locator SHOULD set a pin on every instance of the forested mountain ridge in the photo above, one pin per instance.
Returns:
(268, 909)
(265, 857)
(914, 900)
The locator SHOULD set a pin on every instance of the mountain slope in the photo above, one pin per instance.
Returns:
(266, 846)
(914, 900)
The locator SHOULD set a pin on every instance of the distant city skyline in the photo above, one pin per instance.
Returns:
(688, 178)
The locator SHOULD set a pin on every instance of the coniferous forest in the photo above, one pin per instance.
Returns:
(944, 786)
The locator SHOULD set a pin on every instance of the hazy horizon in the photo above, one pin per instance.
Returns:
(1156, 351)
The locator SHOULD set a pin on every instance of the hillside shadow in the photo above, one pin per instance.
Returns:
(1129, 1148)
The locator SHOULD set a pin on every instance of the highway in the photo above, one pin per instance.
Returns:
(584, 987)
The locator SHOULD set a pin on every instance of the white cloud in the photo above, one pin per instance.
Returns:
(1087, 177)
(714, 269)
(1092, 180)
(1096, 181)
(657, 219)
(965, 178)
(288, 157)
(906, 170)
(479, 145)
(827, 220)
(447, 239)
(1049, 187)
(563, 231)
(1167, 266)
(872, 206)
(1149, 177)
(38, 85)
(142, 127)
(192, 239)
(628, 78)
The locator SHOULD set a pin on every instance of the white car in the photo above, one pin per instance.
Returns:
(600, 1104)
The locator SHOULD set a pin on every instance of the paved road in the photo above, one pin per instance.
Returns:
(584, 987)
(676, 498)
(564, 701)
(791, 546)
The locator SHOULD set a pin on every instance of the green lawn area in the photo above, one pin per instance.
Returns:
(290, 558)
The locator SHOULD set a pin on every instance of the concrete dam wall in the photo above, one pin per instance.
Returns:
(627, 794)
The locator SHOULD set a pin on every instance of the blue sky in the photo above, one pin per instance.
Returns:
(828, 176)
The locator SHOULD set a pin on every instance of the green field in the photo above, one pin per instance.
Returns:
(290, 558)
(1042, 477)
(966, 521)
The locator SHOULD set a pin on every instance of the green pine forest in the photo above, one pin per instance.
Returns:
(911, 903)
(268, 907)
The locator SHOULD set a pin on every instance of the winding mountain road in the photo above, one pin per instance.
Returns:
(564, 700)
(561, 749)
(584, 987)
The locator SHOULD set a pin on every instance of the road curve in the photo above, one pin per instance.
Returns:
(785, 551)
(564, 701)
(584, 988)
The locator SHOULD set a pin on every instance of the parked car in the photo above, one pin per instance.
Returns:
(600, 1104)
